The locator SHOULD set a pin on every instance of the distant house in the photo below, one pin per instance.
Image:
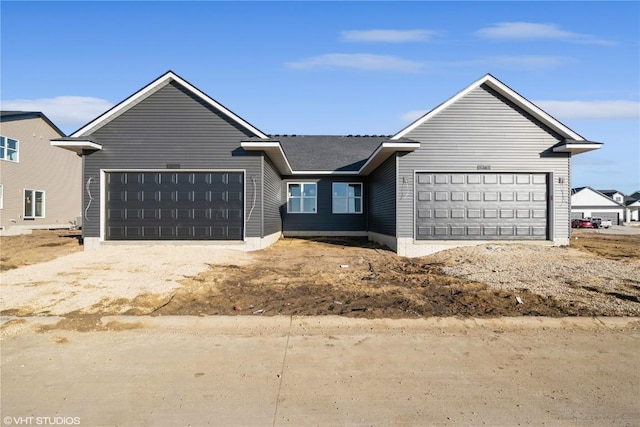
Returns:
(632, 204)
(587, 202)
(40, 185)
(171, 163)
(614, 195)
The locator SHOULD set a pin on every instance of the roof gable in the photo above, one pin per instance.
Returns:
(149, 90)
(8, 116)
(507, 93)
(587, 196)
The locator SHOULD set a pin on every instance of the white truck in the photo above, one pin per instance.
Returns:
(599, 222)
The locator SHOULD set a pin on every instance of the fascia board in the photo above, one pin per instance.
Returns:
(578, 148)
(147, 91)
(507, 92)
(383, 152)
(77, 146)
(273, 150)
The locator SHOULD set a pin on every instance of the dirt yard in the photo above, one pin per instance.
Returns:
(597, 275)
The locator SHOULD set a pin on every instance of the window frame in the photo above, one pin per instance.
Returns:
(302, 197)
(33, 208)
(4, 146)
(347, 198)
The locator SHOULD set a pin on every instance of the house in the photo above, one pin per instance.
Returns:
(587, 202)
(171, 163)
(614, 195)
(632, 204)
(40, 185)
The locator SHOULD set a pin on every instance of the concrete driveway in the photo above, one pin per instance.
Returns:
(281, 371)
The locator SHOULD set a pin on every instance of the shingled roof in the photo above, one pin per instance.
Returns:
(329, 153)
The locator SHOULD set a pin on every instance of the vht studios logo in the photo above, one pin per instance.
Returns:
(41, 421)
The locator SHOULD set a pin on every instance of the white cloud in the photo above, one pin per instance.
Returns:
(359, 61)
(534, 31)
(413, 115)
(66, 112)
(387, 36)
(591, 109)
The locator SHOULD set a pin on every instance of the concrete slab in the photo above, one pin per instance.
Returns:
(166, 371)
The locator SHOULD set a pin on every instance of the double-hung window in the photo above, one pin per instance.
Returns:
(8, 149)
(347, 198)
(302, 197)
(33, 204)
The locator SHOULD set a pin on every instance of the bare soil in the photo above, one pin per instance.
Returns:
(40, 246)
(356, 278)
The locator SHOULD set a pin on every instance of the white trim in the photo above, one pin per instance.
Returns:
(6, 148)
(77, 146)
(275, 152)
(315, 197)
(361, 197)
(150, 89)
(1, 196)
(33, 208)
(507, 92)
(574, 148)
(383, 152)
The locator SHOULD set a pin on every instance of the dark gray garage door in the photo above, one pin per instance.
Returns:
(481, 206)
(174, 206)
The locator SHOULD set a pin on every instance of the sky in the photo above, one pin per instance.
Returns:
(338, 68)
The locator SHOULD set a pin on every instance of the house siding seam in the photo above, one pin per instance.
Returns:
(483, 130)
(170, 127)
(324, 220)
(382, 198)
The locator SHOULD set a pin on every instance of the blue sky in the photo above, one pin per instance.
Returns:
(338, 67)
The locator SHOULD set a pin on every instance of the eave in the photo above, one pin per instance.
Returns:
(274, 150)
(78, 146)
(576, 147)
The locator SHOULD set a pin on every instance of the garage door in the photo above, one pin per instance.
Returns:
(611, 216)
(481, 206)
(174, 206)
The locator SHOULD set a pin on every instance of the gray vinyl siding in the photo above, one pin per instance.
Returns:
(484, 130)
(382, 198)
(324, 219)
(171, 127)
(272, 198)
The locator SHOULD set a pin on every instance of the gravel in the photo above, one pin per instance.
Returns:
(567, 274)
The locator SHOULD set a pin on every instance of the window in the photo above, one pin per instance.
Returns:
(33, 204)
(302, 197)
(347, 198)
(8, 149)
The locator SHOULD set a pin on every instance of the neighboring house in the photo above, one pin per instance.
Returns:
(587, 202)
(40, 185)
(171, 163)
(614, 195)
(632, 204)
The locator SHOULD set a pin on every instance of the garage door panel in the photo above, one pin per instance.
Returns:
(481, 206)
(175, 206)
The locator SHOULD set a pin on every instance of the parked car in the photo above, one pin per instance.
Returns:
(581, 223)
(599, 222)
